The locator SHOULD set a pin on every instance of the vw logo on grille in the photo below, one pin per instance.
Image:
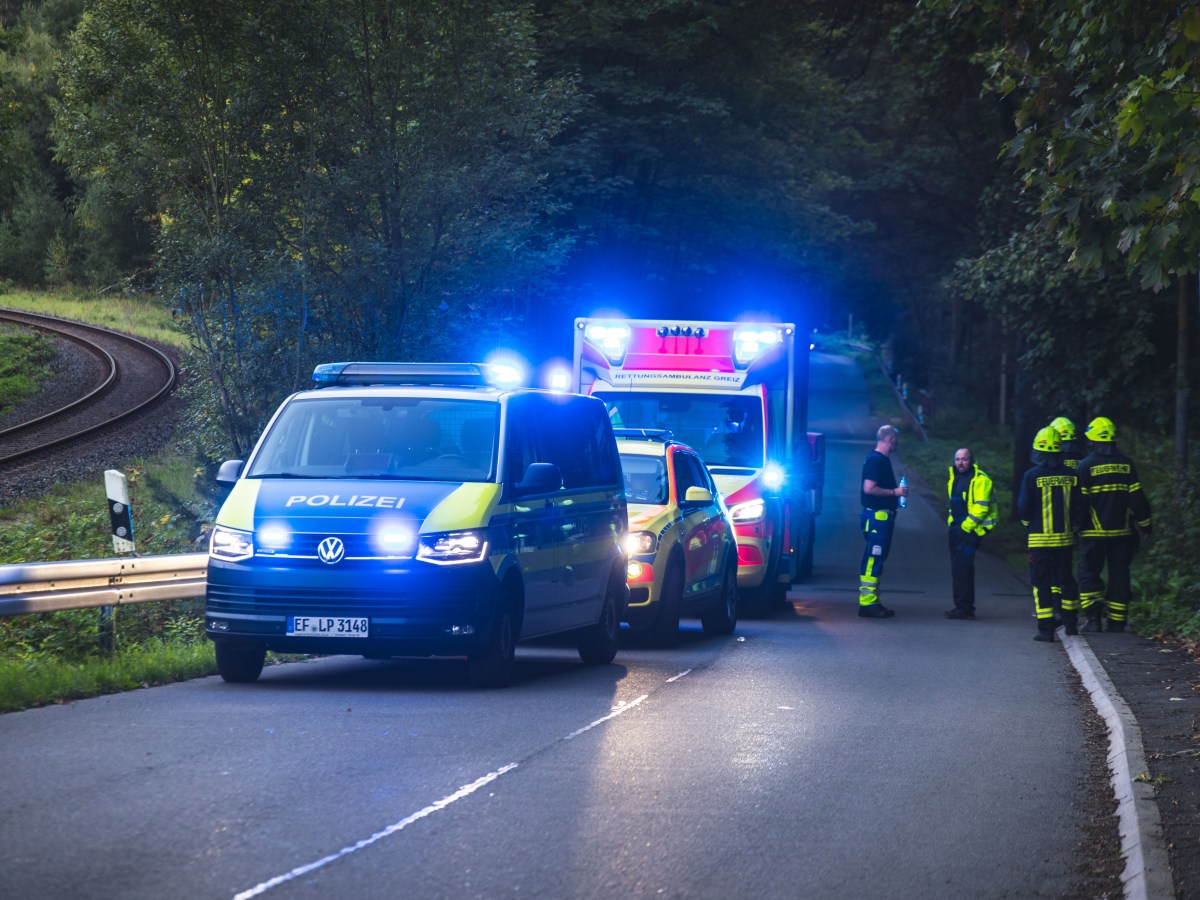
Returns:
(331, 550)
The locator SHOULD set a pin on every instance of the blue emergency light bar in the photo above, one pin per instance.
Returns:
(646, 434)
(364, 373)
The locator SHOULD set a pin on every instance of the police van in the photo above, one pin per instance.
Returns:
(420, 509)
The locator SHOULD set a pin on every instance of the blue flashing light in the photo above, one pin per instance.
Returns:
(750, 343)
(774, 476)
(370, 373)
(505, 369)
(613, 340)
(394, 539)
(560, 380)
(275, 536)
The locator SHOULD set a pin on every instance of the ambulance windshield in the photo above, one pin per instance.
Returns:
(426, 439)
(725, 430)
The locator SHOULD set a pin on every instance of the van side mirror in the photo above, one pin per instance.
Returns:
(540, 478)
(229, 471)
(697, 496)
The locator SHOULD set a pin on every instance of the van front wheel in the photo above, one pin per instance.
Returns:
(492, 665)
(240, 664)
(598, 643)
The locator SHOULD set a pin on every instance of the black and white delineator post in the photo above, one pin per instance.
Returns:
(117, 489)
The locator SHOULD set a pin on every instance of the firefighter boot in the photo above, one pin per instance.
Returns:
(1045, 632)
(1093, 622)
(1070, 621)
(1116, 626)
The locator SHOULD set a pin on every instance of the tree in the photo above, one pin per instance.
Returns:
(702, 172)
(347, 178)
(1107, 104)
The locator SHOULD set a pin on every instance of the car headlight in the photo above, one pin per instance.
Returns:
(640, 543)
(748, 512)
(453, 547)
(231, 544)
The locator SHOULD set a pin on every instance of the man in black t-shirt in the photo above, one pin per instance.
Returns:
(880, 498)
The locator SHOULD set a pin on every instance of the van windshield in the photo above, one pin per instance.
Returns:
(417, 438)
(725, 430)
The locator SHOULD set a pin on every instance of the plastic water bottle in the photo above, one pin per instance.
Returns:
(903, 499)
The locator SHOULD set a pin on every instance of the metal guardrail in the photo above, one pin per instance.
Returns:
(81, 584)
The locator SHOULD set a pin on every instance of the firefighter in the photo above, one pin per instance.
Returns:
(1116, 513)
(1071, 456)
(970, 517)
(880, 497)
(1066, 437)
(1049, 506)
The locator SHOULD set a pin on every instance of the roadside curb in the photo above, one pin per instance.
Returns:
(1147, 874)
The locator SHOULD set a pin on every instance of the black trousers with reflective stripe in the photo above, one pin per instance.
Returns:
(1117, 553)
(1049, 568)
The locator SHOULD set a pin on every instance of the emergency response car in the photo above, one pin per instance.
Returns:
(681, 545)
(417, 509)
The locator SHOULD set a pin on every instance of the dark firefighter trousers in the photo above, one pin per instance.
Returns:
(1050, 568)
(877, 525)
(1118, 553)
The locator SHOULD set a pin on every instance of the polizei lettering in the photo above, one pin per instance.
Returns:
(372, 501)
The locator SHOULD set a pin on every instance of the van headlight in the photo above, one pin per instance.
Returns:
(748, 512)
(230, 544)
(453, 547)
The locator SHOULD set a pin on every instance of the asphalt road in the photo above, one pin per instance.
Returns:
(812, 754)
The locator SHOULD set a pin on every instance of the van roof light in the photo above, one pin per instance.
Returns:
(363, 373)
(645, 434)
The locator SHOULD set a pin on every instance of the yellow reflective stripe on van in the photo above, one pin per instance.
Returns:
(238, 510)
(470, 505)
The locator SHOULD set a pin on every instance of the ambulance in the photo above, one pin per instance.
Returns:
(737, 393)
(402, 509)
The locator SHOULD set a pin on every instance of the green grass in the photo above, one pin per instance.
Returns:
(138, 314)
(25, 361)
(41, 680)
(53, 657)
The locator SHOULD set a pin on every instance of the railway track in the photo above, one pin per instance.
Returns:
(124, 378)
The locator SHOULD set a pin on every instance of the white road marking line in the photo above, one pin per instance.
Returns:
(623, 708)
(677, 677)
(464, 791)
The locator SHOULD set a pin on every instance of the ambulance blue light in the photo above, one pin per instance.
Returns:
(774, 477)
(613, 340)
(749, 343)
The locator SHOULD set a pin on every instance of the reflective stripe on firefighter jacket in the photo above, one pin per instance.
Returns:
(1113, 496)
(981, 511)
(1050, 505)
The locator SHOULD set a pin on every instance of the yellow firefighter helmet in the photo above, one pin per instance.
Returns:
(1047, 441)
(1065, 428)
(1101, 429)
